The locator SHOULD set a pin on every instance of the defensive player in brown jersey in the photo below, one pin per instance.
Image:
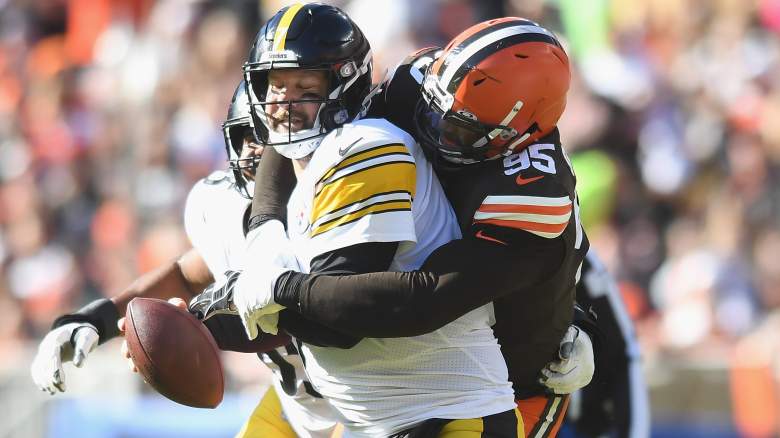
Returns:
(487, 110)
(620, 384)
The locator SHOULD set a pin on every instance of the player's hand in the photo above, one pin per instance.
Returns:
(124, 349)
(574, 370)
(254, 299)
(268, 257)
(216, 299)
(72, 341)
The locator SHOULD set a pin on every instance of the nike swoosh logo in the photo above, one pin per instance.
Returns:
(481, 235)
(343, 151)
(523, 181)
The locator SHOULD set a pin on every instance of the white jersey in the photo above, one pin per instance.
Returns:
(369, 182)
(214, 222)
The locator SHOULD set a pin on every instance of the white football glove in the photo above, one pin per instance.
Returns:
(268, 256)
(72, 341)
(575, 368)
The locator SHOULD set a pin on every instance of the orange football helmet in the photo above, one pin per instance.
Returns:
(496, 88)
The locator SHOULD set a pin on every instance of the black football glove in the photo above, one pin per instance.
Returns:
(216, 299)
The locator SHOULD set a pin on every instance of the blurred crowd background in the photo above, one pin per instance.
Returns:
(110, 111)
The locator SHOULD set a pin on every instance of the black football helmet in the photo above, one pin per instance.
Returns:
(237, 127)
(314, 37)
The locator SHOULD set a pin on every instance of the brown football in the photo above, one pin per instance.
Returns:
(174, 352)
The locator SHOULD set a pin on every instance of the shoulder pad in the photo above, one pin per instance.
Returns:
(416, 63)
(426, 51)
(360, 145)
(217, 177)
(534, 193)
(366, 134)
(212, 189)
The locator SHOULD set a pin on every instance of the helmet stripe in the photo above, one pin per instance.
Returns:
(280, 35)
(461, 58)
(492, 28)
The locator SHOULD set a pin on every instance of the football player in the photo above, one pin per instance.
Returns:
(365, 200)
(215, 215)
(486, 108)
(616, 403)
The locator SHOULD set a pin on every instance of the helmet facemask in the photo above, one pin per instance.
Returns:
(278, 129)
(459, 136)
(239, 134)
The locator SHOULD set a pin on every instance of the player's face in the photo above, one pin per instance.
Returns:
(250, 149)
(294, 85)
(457, 136)
(451, 132)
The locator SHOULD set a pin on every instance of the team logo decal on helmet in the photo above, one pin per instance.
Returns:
(314, 37)
(496, 88)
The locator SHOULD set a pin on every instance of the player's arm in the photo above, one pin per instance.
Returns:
(458, 277)
(184, 278)
(74, 335)
(365, 257)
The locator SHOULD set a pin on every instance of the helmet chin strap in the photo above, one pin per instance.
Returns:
(298, 150)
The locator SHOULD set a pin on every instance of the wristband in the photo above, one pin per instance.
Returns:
(101, 313)
(260, 219)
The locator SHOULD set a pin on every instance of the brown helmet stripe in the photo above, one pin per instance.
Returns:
(474, 60)
(456, 46)
(491, 28)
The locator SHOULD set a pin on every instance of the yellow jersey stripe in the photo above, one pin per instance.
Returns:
(471, 427)
(377, 208)
(520, 423)
(386, 149)
(280, 35)
(397, 195)
(363, 184)
(359, 168)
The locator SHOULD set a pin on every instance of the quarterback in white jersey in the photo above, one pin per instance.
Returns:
(366, 200)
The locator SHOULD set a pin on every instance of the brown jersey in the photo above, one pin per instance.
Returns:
(526, 201)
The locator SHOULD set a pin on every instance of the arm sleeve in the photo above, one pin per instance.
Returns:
(365, 257)
(457, 278)
(229, 334)
(274, 182)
